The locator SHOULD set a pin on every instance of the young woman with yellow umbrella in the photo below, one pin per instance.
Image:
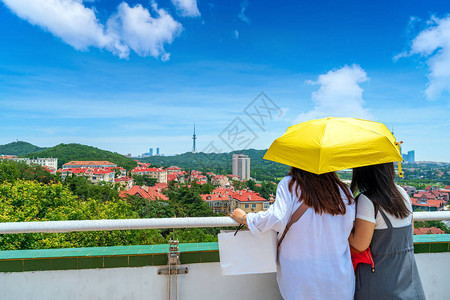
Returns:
(314, 258)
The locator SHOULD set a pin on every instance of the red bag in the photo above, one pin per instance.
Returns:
(364, 257)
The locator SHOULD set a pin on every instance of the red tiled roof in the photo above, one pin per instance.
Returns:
(152, 194)
(431, 230)
(145, 169)
(157, 195)
(160, 185)
(171, 177)
(430, 203)
(126, 178)
(427, 194)
(88, 162)
(222, 190)
(244, 196)
(215, 197)
(173, 168)
(95, 171)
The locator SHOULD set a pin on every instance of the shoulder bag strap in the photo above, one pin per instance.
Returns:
(295, 217)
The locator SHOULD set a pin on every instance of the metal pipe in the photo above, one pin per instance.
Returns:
(160, 223)
(431, 216)
(116, 224)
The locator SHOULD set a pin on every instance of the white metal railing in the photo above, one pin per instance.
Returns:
(160, 223)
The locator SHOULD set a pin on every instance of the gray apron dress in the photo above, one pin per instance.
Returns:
(396, 275)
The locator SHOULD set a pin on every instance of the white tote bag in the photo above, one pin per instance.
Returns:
(248, 253)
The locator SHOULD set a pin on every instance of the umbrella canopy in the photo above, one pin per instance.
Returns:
(331, 144)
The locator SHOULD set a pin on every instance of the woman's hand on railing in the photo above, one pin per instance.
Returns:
(239, 216)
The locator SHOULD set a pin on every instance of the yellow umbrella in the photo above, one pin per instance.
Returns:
(331, 144)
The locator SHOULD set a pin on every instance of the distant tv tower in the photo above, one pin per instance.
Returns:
(194, 137)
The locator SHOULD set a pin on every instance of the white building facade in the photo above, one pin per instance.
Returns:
(51, 163)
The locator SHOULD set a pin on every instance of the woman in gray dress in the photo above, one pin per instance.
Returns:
(384, 222)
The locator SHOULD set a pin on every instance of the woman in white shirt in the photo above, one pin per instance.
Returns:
(384, 221)
(314, 257)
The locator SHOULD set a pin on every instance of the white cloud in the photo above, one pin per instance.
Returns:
(130, 28)
(138, 30)
(242, 15)
(236, 34)
(69, 20)
(186, 8)
(434, 44)
(339, 95)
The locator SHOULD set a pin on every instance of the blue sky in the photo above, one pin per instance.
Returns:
(130, 75)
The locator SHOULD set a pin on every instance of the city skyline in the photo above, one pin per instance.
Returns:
(208, 62)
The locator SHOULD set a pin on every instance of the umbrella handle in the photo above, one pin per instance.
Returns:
(400, 172)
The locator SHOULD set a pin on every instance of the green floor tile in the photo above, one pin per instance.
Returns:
(23, 254)
(116, 262)
(64, 264)
(90, 262)
(159, 259)
(126, 252)
(421, 248)
(36, 265)
(210, 257)
(140, 260)
(49, 254)
(190, 257)
(99, 253)
(11, 266)
(439, 247)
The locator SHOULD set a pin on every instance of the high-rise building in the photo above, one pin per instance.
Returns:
(157, 151)
(410, 157)
(151, 151)
(241, 166)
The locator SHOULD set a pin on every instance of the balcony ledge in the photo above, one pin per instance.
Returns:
(146, 255)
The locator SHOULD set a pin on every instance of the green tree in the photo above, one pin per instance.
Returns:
(251, 184)
(266, 189)
(237, 185)
(207, 188)
(11, 170)
(84, 189)
(25, 201)
(144, 180)
(146, 208)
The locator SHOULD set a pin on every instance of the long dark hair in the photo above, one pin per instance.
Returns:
(320, 192)
(377, 183)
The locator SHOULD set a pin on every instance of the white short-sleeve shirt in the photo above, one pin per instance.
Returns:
(314, 258)
(366, 211)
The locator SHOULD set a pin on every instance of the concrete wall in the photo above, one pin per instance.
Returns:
(204, 281)
(434, 269)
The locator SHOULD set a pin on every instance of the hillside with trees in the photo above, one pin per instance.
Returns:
(69, 152)
(19, 148)
(220, 163)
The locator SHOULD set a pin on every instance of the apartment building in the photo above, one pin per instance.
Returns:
(89, 164)
(51, 163)
(241, 166)
(159, 173)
